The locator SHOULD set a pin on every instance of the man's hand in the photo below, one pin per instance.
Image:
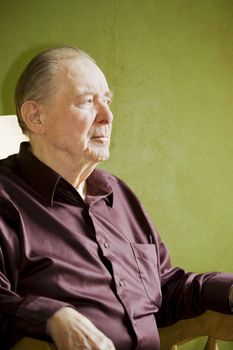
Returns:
(70, 330)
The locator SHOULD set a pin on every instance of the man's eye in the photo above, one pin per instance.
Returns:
(85, 103)
(107, 100)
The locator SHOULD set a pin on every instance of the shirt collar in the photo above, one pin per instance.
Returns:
(98, 185)
(44, 180)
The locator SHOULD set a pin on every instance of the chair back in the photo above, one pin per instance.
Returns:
(10, 135)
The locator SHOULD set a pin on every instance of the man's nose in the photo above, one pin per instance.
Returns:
(103, 114)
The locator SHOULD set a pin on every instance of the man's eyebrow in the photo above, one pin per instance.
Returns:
(92, 92)
(109, 94)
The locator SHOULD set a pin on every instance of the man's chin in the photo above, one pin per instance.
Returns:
(102, 157)
(99, 155)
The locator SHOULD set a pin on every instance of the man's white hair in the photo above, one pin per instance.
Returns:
(38, 80)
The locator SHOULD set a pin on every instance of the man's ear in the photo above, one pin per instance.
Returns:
(31, 114)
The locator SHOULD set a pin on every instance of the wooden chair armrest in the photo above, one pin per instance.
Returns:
(33, 344)
(211, 324)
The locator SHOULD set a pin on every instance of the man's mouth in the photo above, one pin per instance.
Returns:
(100, 138)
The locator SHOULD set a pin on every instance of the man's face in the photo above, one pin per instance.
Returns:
(77, 118)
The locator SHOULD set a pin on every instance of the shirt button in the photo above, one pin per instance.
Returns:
(106, 245)
(121, 283)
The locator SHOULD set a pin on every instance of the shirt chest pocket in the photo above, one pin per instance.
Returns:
(146, 261)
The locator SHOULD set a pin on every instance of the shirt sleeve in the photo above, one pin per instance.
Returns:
(184, 294)
(20, 315)
(187, 294)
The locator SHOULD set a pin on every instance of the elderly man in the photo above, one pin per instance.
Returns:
(80, 262)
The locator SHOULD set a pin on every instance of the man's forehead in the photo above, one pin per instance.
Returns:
(86, 77)
(82, 67)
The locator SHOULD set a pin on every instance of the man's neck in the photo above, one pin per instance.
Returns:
(82, 189)
(74, 171)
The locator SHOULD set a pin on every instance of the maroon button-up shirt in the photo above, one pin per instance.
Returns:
(102, 256)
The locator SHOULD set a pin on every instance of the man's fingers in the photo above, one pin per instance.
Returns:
(99, 342)
(96, 339)
(106, 344)
(71, 330)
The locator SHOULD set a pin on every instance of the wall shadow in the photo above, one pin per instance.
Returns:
(12, 75)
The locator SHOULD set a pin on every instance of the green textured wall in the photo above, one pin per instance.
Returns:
(170, 65)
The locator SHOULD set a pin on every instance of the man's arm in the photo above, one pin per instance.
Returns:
(187, 294)
(37, 316)
(231, 299)
(23, 315)
(32, 315)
